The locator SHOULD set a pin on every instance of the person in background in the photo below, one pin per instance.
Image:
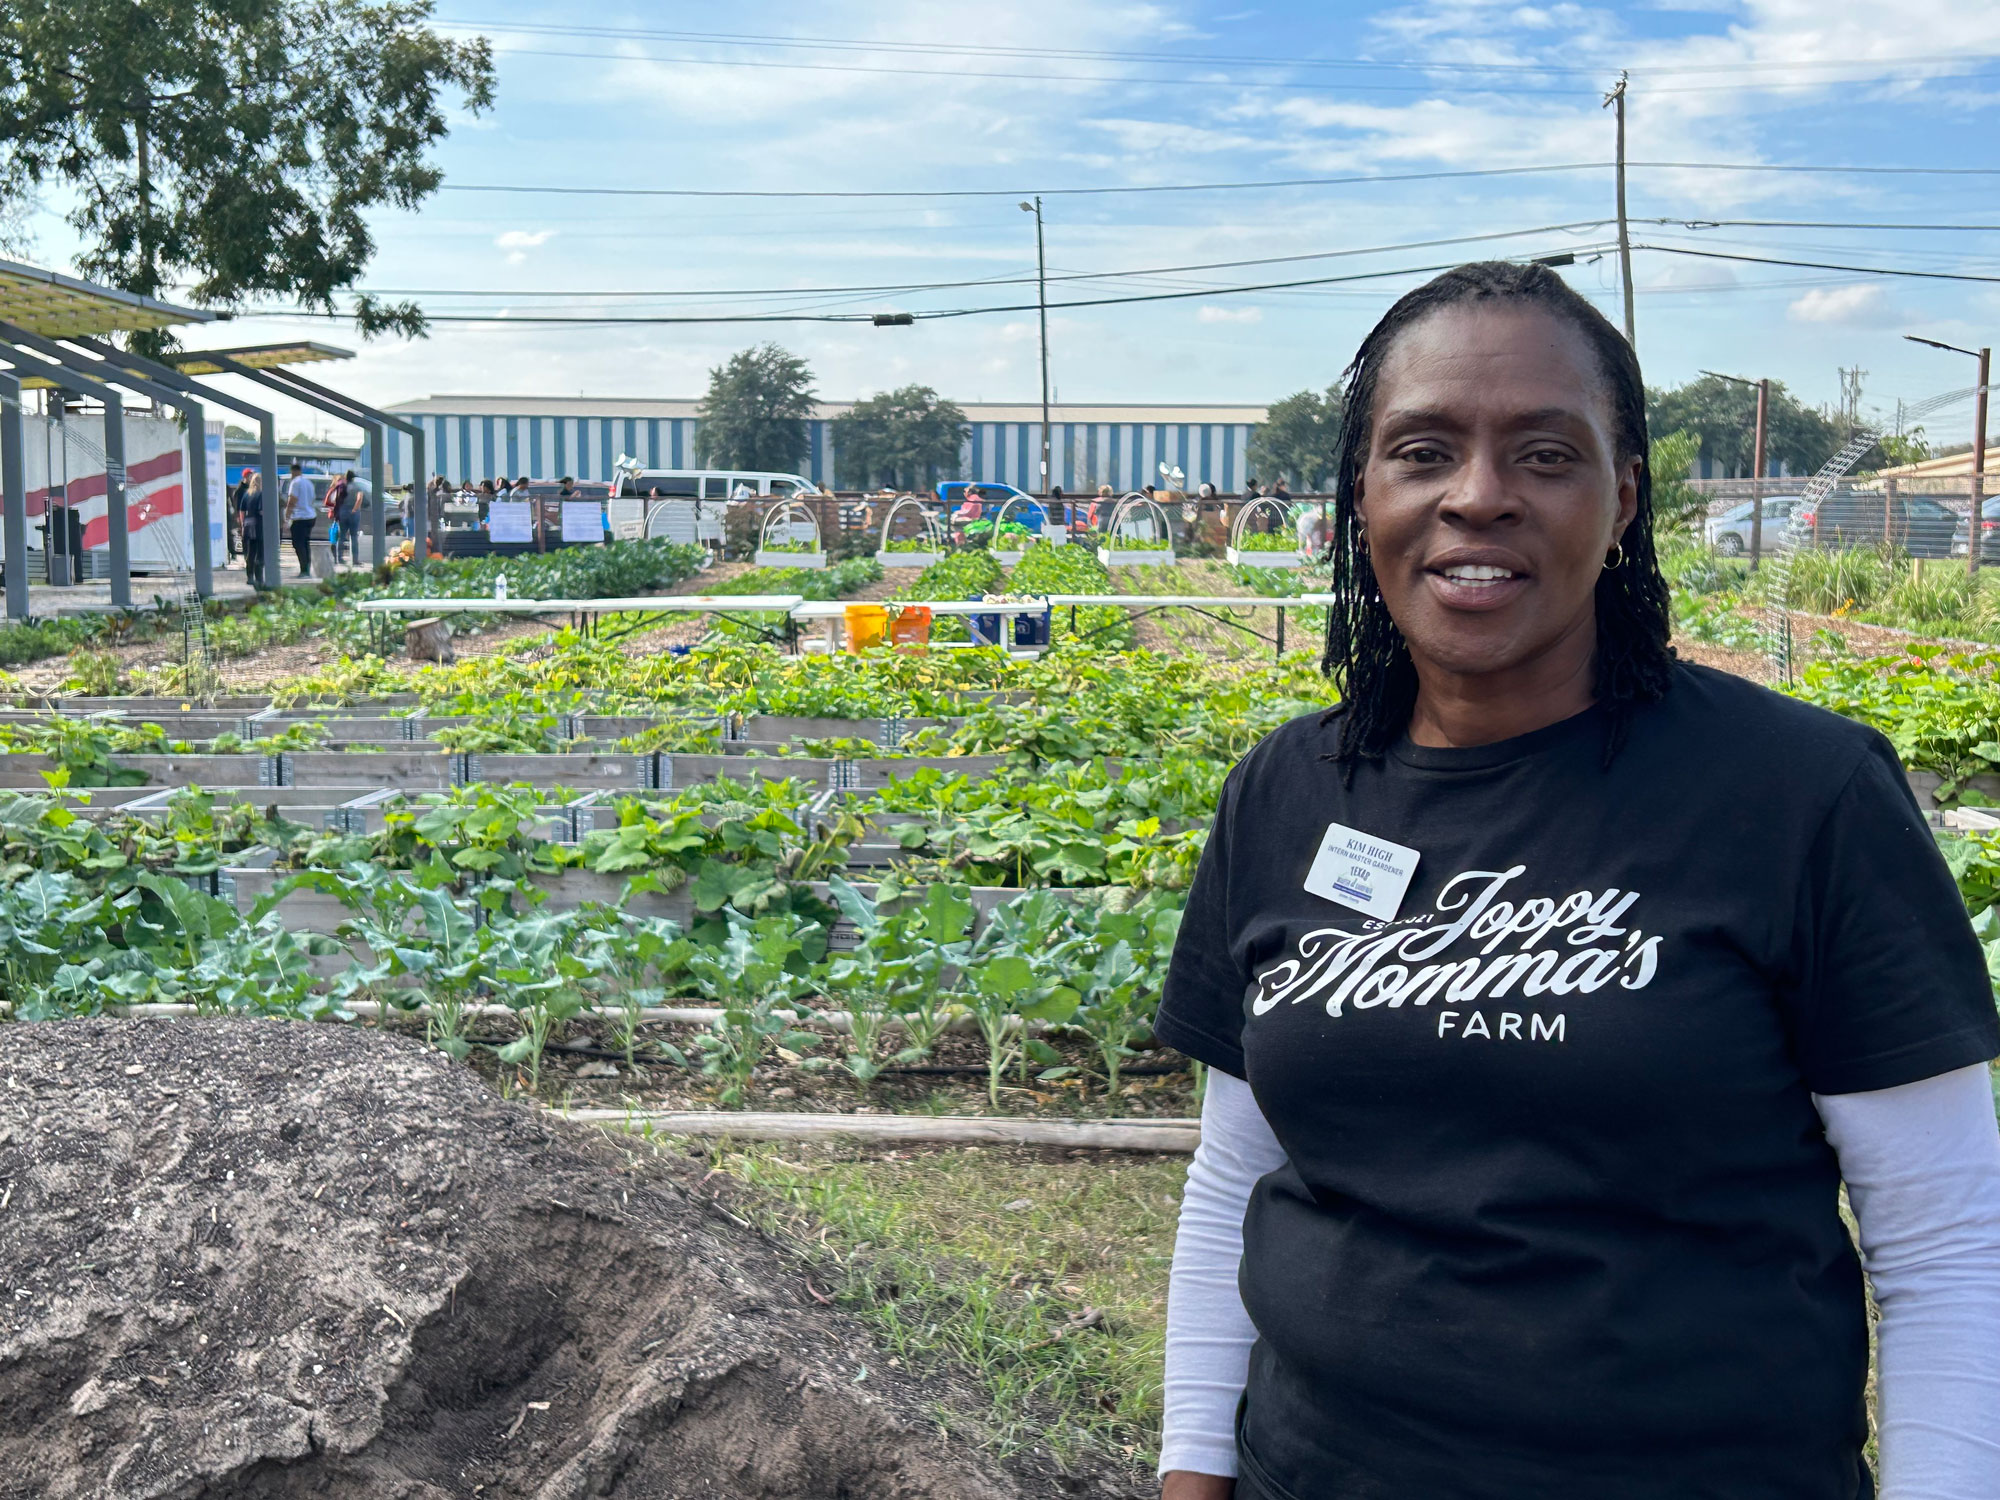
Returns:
(1280, 493)
(970, 508)
(345, 528)
(1100, 508)
(1250, 490)
(303, 511)
(233, 532)
(336, 495)
(250, 523)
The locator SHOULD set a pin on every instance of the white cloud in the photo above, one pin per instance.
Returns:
(1865, 305)
(518, 242)
(1208, 314)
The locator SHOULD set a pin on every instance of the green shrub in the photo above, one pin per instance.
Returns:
(1831, 582)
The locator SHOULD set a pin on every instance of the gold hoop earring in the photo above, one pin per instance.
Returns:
(1614, 557)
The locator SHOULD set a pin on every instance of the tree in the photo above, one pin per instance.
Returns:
(900, 438)
(755, 413)
(230, 146)
(1299, 438)
(1723, 415)
(1677, 505)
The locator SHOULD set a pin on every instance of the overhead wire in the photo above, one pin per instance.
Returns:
(982, 49)
(1027, 279)
(1351, 180)
(1816, 265)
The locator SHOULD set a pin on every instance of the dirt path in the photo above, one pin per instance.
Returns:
(275, 1260)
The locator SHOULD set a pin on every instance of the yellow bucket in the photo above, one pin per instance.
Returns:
(867, 624)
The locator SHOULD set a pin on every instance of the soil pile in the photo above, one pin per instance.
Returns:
(269, 1260)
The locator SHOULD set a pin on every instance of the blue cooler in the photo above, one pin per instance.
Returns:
(1033, 630)
(984, 629)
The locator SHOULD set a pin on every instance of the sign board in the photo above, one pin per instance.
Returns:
(582, 521)
(628, 518)
(218, 488)
(510, 521)
(65, 461)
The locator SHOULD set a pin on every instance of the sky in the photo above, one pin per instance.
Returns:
(929, 99)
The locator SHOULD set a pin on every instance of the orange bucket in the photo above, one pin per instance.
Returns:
(911, 626)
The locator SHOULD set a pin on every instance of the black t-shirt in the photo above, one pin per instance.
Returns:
(1559, 1218)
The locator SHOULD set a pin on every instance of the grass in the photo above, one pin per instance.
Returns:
(1045, 1279)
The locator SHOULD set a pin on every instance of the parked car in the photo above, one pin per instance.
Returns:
(1989, 538)
(1914, 524)
(1729, 531)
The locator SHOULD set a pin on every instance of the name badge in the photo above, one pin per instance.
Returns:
(1361, 871)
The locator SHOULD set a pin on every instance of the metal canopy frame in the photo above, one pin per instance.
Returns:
(267, 432)
(49, 305)
(118, 543)
(268, 365)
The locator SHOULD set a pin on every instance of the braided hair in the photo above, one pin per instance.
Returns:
(1365, 651)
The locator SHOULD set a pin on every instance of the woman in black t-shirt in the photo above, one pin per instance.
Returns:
(1569, 983)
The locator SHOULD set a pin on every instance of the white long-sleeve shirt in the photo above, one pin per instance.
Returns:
(1922, 1167)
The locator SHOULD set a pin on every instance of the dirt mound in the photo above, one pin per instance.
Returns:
(270, 1260)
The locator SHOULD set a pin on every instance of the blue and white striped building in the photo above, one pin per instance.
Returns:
(485, 437)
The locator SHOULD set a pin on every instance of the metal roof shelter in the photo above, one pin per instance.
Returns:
(267, 456)
(52, 306)
(97, 373)
(271, 366)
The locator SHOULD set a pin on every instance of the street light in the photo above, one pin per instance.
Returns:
(1042, 302)
(1763, 388)
(1976, 520)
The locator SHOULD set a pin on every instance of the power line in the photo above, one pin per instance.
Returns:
(616, 319)
(1816, 224)
(981, 49)
(932, 286)
(1758, 166)
(1076, 192)
(1134, 80)
(1820, 265)
(566, 190)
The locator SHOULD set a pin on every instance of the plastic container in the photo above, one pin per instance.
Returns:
(867, 625)
(910, 626)
(1033, 630)
(983, 629)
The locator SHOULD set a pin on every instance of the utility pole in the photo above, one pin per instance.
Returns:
(1763, 389)
(1042, 304)
(1757, 476)
(1976, 516)
(1616, 100)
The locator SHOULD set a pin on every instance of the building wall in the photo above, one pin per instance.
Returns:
(1125, 455)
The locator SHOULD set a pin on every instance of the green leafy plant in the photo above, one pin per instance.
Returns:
(758, 975)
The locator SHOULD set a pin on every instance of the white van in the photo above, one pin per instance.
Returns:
(709, 484)
(686, 505)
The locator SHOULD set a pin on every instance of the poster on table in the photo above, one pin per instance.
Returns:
(582, 521)
(510, 521)
(65, 465)
(627, 516)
